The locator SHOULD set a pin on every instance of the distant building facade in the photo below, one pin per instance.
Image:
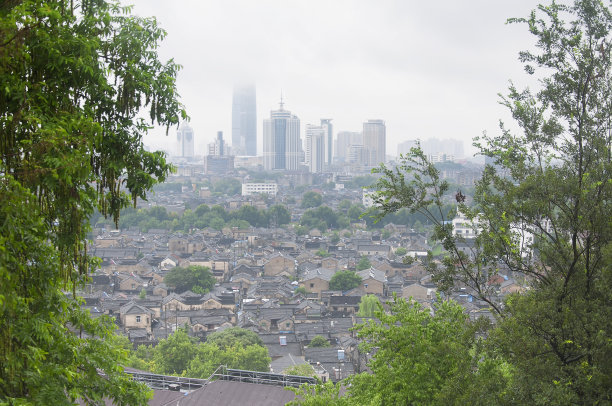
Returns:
(249, 189)
(344, 140)
(282, 144)
(244, 120)
(315, 141)
(328, 130)
(375, 141)
(218, 160)
(185, 139)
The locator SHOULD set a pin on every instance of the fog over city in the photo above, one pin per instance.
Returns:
(428, 69)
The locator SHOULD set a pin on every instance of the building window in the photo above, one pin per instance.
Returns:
(137, 319)
(312, 285)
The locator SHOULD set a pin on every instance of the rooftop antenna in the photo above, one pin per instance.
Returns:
(282, 104)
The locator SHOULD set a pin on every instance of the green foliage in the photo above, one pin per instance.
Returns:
(364, 263)
(143, 294)
(301, 230)
(360, 182)
(203, 216)
(180, 354)
(302, 290)
(227, 186)
(368, 306)
(420, 359)
(74, 76)
(173, 354)
(43, 362)
(401, 251)
(209, 357)
(311, 199)
(322, 254)
(323, 217)
(234, 336)
(300, 370)
(344, 280)
(335, 238)
(279, 215)
(319, 342)
(552, 181)
(191, 278)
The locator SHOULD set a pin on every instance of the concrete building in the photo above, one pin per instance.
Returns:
(218, 160)
(244, 120)
(185, 139)
(315, 142)
(375, 141)
(282, 145)
(344, 140)
(328, 130)
(257, 188)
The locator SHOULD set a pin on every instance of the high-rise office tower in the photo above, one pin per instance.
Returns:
(281, 138)
(315, 142)
(344, 140)
(329, 139)
(219, 146)
(244, 121)
(375, 141)
(184, 136)
(218, 161)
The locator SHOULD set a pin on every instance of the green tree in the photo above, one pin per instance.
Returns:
(335, 238)
(143, 294)
(368, 305)
(209, 357)
(344, 280)
(190, 278)
(234, 336)
(354, 212)
(279, 215)
(401, 251)
(322, 253)
(311, 199)
(550, 182)
(319, 342)
(173, 354)
(344, 205)
(364, 263)
(75, 75)
(302, 290)
(422, 359)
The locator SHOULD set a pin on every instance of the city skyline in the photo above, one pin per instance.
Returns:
(428, 69)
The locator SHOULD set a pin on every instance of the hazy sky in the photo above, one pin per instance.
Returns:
(428, 68)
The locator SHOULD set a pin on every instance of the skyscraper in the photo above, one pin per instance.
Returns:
(281, 140)
(315, 142)
(329, 139)
(343, 141)
(184, 136)
(244, 121)
(375, 141)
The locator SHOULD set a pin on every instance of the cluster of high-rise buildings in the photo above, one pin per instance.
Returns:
(284, 149)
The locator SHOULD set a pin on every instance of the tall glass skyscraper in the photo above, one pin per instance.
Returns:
(184, 136)
(244, 121)
(329, 140)
(281, 149)
(375, 141)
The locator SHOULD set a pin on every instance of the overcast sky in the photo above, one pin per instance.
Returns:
(428, 68)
